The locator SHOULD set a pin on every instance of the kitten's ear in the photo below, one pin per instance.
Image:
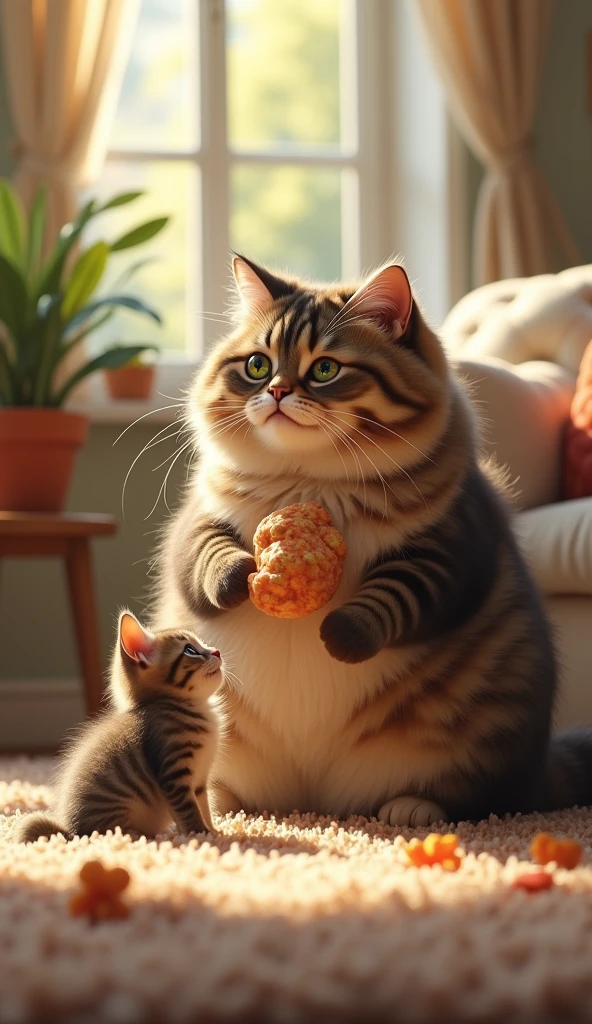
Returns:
(137, 642)
(256, 286)
(385, 299)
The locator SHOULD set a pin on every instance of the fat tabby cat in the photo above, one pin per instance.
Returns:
(147, 762)
(425, 690)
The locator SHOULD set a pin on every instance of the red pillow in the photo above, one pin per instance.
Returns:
(577, 458)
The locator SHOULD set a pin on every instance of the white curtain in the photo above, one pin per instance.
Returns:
(489, 55)
(64, 62)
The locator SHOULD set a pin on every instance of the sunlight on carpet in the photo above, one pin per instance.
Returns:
(303, 919)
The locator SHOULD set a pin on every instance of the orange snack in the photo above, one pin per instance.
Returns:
(100, 899)
(565, 852)
(533, 881)
(299, 556)
(434, 849)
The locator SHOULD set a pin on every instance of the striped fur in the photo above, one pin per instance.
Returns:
(426, 688)
(146, 762)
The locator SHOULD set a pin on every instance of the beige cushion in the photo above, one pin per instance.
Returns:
(571, 617)
(557, 542)
(523, 410)
(545, 317)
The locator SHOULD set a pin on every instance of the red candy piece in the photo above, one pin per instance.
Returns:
(533, 881)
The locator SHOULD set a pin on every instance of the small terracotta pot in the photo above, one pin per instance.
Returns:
(38, 449)
(134, 382)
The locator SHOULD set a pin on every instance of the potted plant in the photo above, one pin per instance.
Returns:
(48, 307)
(134, 380)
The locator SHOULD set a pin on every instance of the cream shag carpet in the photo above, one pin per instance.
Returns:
(294, 920)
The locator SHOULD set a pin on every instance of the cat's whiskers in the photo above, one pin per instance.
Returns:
(313, 413)
(346, 441)
(396, 464)
(385, 485)
(227, 423)
(229, 674)
(151, 412)
(169, 457)
(341, 436)
(400, 437)
(162, 490)
(328, 435)
(156, 439)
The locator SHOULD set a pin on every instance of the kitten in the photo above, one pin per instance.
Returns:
(144, 765)
(425, 689)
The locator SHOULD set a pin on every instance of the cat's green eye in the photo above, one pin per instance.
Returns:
(258, 366)
(324, 370)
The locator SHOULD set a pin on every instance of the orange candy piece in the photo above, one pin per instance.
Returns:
(565, 852)
(434, 849)
(100, 896)
(533, 881)
(299, 556)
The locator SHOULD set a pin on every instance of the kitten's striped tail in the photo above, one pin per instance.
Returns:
(33, 826)
(569, 769)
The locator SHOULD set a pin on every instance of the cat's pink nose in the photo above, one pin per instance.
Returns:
(216, 654)
(279, 391)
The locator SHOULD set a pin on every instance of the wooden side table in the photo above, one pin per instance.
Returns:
(39, 534)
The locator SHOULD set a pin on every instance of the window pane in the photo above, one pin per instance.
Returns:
(171, 190)
(283, 72)
(288, 217)
(159, 103)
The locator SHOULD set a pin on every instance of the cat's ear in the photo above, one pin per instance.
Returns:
(135, 641)
(256, 286)
(386, 299)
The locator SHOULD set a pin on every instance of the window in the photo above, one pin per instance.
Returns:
(262, 126)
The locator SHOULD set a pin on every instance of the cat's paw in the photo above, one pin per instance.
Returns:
(411, 811)
(350, 636)
(223, 801)
(230, 587)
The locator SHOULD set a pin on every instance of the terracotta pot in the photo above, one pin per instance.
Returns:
(38, 448)
(134, 382)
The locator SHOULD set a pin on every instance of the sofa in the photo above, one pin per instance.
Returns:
(518, 344)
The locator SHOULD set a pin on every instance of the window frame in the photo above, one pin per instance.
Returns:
(368, 162)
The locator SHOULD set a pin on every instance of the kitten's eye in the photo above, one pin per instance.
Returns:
(258, 367)
(324, 370)
(191, 652)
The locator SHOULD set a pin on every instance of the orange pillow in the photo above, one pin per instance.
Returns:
(577, 457)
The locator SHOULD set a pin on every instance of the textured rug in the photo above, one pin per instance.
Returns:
(295, 920)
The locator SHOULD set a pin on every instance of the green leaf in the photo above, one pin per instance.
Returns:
(51, 274)
(140, 234)
(48, 333)
(112, 359)
(129, 272)
(86, 274)
(71, 342)
(13, 297)
(13, 224)
(111, 301)
(88, 328)
(120, 200)
(36, 233)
